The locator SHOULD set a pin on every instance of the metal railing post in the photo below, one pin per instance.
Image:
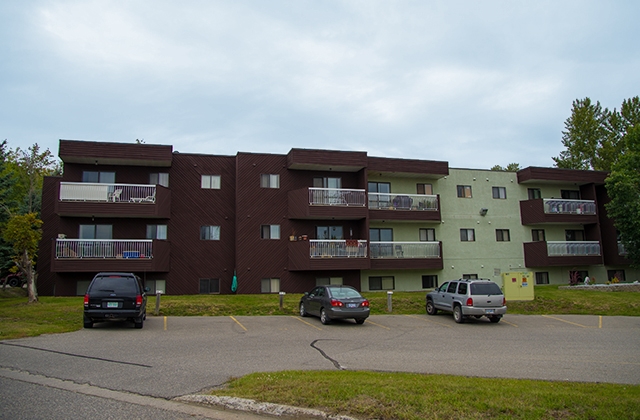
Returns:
(389, 304)
(281, 294)
(158, 294)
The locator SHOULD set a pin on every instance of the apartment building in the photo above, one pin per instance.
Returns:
(187, 223)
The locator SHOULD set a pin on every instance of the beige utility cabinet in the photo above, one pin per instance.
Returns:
(518, 286)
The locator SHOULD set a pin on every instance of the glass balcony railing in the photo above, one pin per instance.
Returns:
(573, 248)
(108, 193)
(556, 206)
(104, 248)
(418, 202)
(338, 248)
(336, 197)
(405, 249)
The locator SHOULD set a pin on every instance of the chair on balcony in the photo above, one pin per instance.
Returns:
(399, 251)
(115, 196)
(149, 198)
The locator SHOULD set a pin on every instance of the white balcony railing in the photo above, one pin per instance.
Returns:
(336, 197)
(104, 248)
(114, 193)
(573, 248)
(405, 249)
(419, 202)
(621, 250)
(337, 248)
(556, 206)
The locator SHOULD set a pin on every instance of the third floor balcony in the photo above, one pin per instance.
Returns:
(84, 199)
(327, 203)
(544, 210)
(386, 206)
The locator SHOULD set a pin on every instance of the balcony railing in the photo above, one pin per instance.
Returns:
(345, 248)
(114, 193)
(419, 202)
(336, 197)
(621, 250)
(405, 249)
(555, 206)
(104, 248)
(573, 248)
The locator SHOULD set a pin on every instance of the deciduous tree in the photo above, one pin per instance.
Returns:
(24, 233)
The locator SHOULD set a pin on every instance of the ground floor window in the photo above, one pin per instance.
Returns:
(382, 283)
(270, 286)
(160, 286)
(429, 282)
(81, 287)
(208, 286)
(542, 277)
(325, 281)
(615, 274)
(470, 276)
(577, 276)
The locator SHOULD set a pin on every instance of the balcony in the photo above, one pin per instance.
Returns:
(552, 253)
(327, 203)
(84, 199)
(385, 206)
(621, 250)
(539, 211)
(345, 254)
(82, 255)
(406, 255)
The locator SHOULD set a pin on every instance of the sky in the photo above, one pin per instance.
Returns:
(473, 83)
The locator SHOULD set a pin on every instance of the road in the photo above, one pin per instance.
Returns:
(175, 356)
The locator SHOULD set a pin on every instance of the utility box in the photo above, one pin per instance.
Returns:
(518, 286)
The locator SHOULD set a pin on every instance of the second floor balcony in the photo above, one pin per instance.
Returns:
(84, 199)
(543, 210)
(327, 254)
(406, 255)
(327, 203)
(562, 253)
(385, 206)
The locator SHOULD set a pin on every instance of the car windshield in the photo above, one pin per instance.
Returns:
(344, 293)
(114, 285)
(485, 289)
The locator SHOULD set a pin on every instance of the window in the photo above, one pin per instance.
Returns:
(537, 235)
(327, 182)
(462, 288)
(270, 231)
(156, 231)
(464, 191)
(453, 286)
(534, 193)
(156, 286)
(428, 234)
(378, 198)
(424, 189)
(95, 232)
(81, 287)
(379, 187)
(381, 235)
(382, 283)
(208, 286)
(210, 233)
(542, 277)
(499, 192)
(577, 276)
(211, 182)
(270, 286)
(570, 195)
(270, 181)
(574, 235)
(99, 177)
(326, 281)
(614, 274)
(502, 235)
(159, 179)
(470, 276)
(429, 282)
(467, 235)
(329, 232)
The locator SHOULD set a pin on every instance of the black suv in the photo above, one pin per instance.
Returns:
(115, 297)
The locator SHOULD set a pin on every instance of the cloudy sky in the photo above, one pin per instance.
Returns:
(474, 83)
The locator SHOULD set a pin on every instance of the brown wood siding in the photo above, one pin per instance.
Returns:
(557, 175)
(532, 213)
(535, 255)
(408, 166)
(73, 151)
(50, 229)
(326, 160)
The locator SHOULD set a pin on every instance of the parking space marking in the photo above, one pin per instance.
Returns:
(165, 323)
(305, 322)
(507, 322)
(428, 320)
(377, 325)
(238, 322)
(573, 323)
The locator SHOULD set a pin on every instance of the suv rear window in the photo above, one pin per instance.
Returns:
(485, 289)
(117, 285)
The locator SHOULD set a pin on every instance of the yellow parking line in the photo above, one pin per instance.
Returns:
(305, 322)
(569, 322)
(165, 323)
(600, 321)
(428, 320)
(238, 322)
(507, 322)
(377, 325)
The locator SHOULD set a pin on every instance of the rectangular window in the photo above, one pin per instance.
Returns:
(542, 277)
(156, 231)
(156, 286)
(502, 235)
(159, 179)
(499, 192)
(99, 177)
(329, 232)
(467, 235)
(211, 182)
(382, 283)
(424, 189)
(270, 231)
(209, 286)
(534, 193)
(613, 276)
(325, 281)
(470, 276)
(270, 286)
(577, 276)
(537, 235)
(95, 232)
(379, 187)
(270, 181)
(327, 182)
(574, 235)
(570, 194)
(429, 282)
(378, 195)
(210, 233)
(381, 235)
(464, 191)
(428, 234)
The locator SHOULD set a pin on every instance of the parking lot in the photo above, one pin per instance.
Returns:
(183, 355)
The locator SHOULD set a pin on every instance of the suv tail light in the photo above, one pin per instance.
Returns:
(86, 300)
(365, 303)
(504, 301)
(469, 301)
(335, 302)
(138, 301)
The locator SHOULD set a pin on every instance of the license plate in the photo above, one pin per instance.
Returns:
(352, 305)
(489, 311)
(112, 304)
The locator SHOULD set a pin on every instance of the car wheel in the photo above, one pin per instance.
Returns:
(431, 309)
(138, 323)
(303, 311)
(88, 323)
(359, 321)
(457, 314)
(324, 318)
(495, 319)
(14, 282)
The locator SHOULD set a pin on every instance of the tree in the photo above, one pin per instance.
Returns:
(6, 207)
(30, 167)
(512, 167)
(623, 187)
(24, 233)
